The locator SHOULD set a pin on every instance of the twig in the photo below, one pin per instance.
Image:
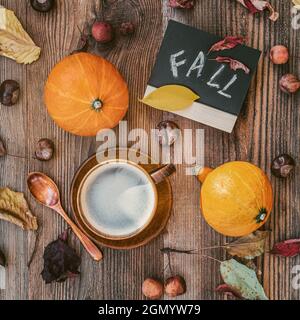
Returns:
(37, 237)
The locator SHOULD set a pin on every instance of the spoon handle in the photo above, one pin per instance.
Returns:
(86, 242)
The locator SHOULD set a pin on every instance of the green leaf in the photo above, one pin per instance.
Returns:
(171, 98)
(242, 279)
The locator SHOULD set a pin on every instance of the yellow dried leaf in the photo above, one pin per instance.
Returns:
(15, 43)
(14, 209)
(296, 2)
(171, 98)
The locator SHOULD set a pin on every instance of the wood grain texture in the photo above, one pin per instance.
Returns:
(268, 125)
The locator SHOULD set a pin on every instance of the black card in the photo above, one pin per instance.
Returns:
(218, 85)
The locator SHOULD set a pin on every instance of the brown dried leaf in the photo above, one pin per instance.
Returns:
(234, 64)
(249, 247)
(2, 149)
(14, 209)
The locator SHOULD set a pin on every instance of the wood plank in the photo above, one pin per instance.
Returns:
(269, 125)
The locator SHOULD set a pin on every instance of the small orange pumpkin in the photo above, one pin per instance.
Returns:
(86, 93)
(236, 198)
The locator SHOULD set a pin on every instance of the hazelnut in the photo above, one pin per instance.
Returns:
(175, 286)
(279, 54)
(282, 166)
(153, 289)
(168, 133)
(9, 92)
(102, 32)
(289, 83)
(44, 150)
(42, 5)
(127, 28)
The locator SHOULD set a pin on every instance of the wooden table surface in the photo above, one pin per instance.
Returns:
(268, 125)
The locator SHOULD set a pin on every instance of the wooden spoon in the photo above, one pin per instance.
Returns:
(46, 192)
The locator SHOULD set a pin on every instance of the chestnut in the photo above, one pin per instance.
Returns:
(44, 150)
(175, 286)
(289, 83)
(152, 289)
(282, 166)
(279, 54)
(9, 92)
(168, 133)
(42, 5)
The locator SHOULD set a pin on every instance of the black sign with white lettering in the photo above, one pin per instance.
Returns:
(184, 60)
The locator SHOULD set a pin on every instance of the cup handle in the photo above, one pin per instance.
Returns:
(161, 174)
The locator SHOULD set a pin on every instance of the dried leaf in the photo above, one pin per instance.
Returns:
(242, 280)
(234, 64)
(60, 261)
(171, 98)
(227, 290)
(227, 43)
(255, 6)
(296, 4)
(182, 4)
(2, 149)
(15, 43)
(249, 247)
(14, 209)
(288, 248)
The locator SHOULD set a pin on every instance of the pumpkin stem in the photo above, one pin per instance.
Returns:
(202, 173)
(262, 215)
(97, 104)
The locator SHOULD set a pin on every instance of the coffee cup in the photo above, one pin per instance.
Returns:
(118, 199)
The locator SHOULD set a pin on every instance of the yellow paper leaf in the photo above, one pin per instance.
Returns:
(15, 43)
(14, 209)
(171, 98)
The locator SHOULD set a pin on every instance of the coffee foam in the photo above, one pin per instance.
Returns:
(117, 199)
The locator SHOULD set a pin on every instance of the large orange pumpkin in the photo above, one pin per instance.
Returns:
(86, 93)
(236, 198)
